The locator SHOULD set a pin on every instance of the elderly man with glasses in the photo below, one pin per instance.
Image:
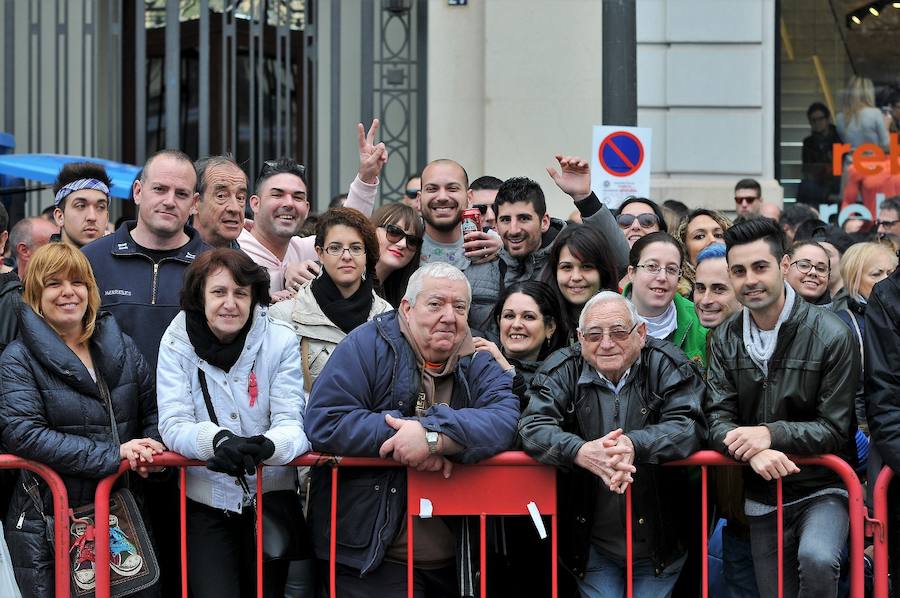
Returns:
(608, 412)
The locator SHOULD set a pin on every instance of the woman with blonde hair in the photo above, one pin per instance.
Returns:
(859, 121)
(698, 230)
(75, 394)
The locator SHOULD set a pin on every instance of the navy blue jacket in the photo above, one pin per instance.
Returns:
(143, 296)
(372, 372)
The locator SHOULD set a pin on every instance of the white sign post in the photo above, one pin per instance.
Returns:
(620, 163)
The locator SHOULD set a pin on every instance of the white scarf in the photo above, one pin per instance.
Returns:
(663, 325)
(760, 344)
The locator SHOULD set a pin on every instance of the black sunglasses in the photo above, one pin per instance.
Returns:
(481, 207)
(645, 220)
(412, 193)
(273, 167)
(394, 234)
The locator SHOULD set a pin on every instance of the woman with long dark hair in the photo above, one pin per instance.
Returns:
(400, 232)
(579, 266)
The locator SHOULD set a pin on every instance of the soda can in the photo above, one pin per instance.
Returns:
(471, 220)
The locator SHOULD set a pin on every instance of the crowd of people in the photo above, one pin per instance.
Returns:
(604, 345)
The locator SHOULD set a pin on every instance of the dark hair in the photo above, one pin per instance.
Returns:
(809, 229)
(519, 189)
(280, 166)
(754, 230)
(588, 245)
(204, 164)
(548, 304)
(808, 242)
(355, 220)
(175, 154)
(337, 201)
(680, 208)
(74, 171)
(890, 203)
(4, 219)
(818, 107)
(749, 184)
(413, 175)
(894, 98)
(243, 270)
(653, 206)
(394, 286)
(634, 256)
(795, 213)
(486, 182)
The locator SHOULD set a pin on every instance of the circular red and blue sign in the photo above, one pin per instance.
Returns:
(621, 154)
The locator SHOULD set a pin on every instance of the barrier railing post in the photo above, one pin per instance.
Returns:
(880, 539)
(60, 517)
(779, 534)
(332, 540)
(259, 531)
(182, 513)
(704, 531)
(629, 556)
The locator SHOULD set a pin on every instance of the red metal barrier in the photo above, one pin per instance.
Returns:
(535, 482)
(856, 506)
(60, 516)
(880, 531)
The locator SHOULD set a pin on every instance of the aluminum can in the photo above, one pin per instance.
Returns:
(471, 220)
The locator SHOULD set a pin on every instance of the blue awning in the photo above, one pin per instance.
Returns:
(44, 168)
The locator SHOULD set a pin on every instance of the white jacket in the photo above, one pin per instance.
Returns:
(270, 348)
(313, 327)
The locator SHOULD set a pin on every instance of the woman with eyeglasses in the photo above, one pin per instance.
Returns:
(400, 231)
(342, 297)
(655, 267)
(580, 265)
(807, 267)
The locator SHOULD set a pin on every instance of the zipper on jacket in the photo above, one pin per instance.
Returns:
(20, 520)
(154, 283)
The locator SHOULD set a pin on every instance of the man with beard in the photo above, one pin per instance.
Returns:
(528, 232)
(281, 205)
(782, 381)
(443, 197)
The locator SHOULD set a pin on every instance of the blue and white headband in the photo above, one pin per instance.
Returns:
(78, 185)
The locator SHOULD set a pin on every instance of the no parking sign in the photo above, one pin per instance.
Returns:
(620, 163)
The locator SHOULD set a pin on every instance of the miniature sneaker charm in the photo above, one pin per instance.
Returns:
(123, 556)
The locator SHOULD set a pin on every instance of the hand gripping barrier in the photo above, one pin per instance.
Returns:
(501, 485)
(880, 531)
(60, 516)
(856, 505)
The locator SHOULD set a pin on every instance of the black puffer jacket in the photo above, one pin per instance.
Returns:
(882, 344)
(51, 411)
(659, 410)
(806, 400)
(10, 299)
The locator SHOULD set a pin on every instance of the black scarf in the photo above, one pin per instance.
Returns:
(208, 347)
(347, 313)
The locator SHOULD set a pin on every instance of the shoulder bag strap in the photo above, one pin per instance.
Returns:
(304, 363)
(206, 397)
(859, 338)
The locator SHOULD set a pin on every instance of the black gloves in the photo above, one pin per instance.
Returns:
(237, 455)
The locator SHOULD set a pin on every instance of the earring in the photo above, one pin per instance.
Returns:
(364, 275)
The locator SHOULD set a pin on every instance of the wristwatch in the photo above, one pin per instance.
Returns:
(432, 439)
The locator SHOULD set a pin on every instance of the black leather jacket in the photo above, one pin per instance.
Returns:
(806, 400)
(882, 345)
(659, 407)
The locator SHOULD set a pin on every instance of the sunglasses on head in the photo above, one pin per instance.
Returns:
(645, 220)
(270, 167)
(395, 234)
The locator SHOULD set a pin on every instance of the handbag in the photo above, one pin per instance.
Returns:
(132, 560)
(285, 534)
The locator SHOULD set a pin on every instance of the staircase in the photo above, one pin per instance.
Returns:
(811, 31)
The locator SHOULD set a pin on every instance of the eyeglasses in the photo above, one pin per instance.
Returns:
(746, 200)
(885, 223)
(645, 220)
(481, 207)
(411, 193)
(617, 334)
(395, 234)
(653, 269)
(337, 250)
(284, 165)
(805, 266)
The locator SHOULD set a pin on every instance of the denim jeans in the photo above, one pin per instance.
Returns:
(605, 577)
(815, 532)
(737, 567)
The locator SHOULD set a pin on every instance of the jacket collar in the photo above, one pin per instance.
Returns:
(255, 337)
(311, 321)
(123, 243)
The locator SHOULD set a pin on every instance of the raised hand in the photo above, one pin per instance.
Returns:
(372, 156)
(481, 247)
(574, 178)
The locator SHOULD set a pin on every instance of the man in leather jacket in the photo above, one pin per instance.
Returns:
(882, 354)
(607, 413)
(782, 379)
